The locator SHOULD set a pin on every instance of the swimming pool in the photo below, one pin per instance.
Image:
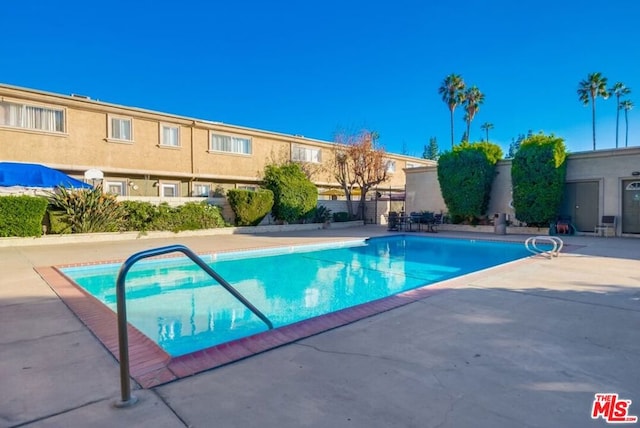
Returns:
(180, 308)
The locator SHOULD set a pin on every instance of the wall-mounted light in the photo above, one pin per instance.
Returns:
(635, 173)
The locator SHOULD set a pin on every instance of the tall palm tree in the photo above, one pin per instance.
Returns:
(626, 105)
(618, 89)
(452, 91)
(472, 100)
(486, 127)
(594, 86)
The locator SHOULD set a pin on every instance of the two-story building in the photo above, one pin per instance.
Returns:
(143, 153)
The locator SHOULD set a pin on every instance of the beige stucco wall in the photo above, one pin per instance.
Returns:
(607, 167)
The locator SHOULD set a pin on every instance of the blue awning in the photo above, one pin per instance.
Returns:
(35, 175)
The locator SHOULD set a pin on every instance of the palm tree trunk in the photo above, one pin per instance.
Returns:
(626, 129)
(617, 118)
(468, 129)
(593, 120)
(451, 110)
(487, 135)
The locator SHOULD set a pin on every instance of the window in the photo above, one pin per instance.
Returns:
(250, 188)
(391, 166)
(634, 185)
(201, 190)
(32, 117)
(169, 190)
(120, 128)
(227, 143)
(115, 187)
(306, 154)
(169, 135)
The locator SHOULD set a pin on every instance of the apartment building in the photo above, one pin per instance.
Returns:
(138, 152)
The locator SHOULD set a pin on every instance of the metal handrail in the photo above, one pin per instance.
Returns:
(530, 244)
(127, 399)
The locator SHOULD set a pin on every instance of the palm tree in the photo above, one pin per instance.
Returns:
(595, 85)
(472, 100)
(619, 89)
(452, 91)
(486, 127)
(626, 105)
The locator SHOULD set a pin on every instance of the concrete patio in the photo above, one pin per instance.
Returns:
(523, 345)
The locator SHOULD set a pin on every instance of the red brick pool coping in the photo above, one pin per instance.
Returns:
(151, 366)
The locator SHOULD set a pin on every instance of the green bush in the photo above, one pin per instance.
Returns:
(139, 216)
(21, 215)
(341, 216)
(86, 210)
(293, 193)
(197, 215)
(144, 216)
(538, 174)
(56, 222)
(250, 207)
(466, 175)
(320, 214)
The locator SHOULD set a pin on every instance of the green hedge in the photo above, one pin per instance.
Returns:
(144, 216)
(341, 216)
(250, 207)
(294, 195)
(57, 225)
(21, 215)
(139, 215)
(538, 174)
(466, 175)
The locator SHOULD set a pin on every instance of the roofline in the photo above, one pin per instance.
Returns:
(193, 120)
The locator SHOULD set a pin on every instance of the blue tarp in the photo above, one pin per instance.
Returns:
(34, 175)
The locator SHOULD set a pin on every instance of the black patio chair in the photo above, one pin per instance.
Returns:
(393, 221)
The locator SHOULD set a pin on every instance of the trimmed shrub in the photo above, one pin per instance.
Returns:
(86, 210)
(144, 216)
(250, 207)
(538, 174)
(139, 216)
(196, 215)
(320, 214)
(465, 176)
(341, 216)
(56, 223)
(293, 193)
(21, 215)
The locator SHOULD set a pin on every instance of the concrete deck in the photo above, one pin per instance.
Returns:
(525, 345)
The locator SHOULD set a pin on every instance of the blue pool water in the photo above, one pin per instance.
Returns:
(181, 308)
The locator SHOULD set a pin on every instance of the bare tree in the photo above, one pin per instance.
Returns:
(359, 163)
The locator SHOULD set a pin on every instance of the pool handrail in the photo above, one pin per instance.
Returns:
(557, 243)
(126, 398)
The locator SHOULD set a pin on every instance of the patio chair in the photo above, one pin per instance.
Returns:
(607, 223)
(562, 226)
(429, 220)
(393, 221)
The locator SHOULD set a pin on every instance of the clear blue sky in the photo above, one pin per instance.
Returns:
(316, 67)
